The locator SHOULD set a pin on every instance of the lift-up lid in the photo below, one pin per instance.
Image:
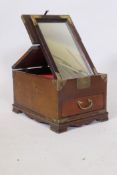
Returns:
(60, 44)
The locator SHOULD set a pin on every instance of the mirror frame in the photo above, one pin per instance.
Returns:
(31, 24)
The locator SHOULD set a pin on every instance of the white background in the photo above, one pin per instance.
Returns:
(30, 148)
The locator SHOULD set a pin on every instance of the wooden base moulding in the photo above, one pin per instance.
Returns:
(62, 125)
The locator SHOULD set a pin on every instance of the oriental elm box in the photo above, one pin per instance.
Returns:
(55, 81)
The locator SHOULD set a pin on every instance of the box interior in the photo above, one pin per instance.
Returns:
(34, 62)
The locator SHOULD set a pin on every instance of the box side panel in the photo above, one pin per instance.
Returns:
(35, 93)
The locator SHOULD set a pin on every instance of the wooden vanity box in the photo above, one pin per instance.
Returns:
(55, 81)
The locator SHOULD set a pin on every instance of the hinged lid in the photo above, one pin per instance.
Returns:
(60, 44)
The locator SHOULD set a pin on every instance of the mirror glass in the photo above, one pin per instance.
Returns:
(68, 57)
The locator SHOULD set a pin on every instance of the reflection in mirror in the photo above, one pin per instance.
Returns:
(65, 52)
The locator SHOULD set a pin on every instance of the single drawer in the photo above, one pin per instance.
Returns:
(83, 105)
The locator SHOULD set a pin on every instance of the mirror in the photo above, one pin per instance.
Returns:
(68, 57)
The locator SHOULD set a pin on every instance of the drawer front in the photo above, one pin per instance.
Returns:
(83, 105)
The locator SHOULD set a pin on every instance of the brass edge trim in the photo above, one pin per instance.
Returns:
(104, 77)
(66, 17)
(59, 82)
(58, 75)
(34, 17)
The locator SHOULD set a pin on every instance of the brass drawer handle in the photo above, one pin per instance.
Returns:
(85, 108)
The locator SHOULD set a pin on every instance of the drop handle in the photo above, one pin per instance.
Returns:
(90, 104)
